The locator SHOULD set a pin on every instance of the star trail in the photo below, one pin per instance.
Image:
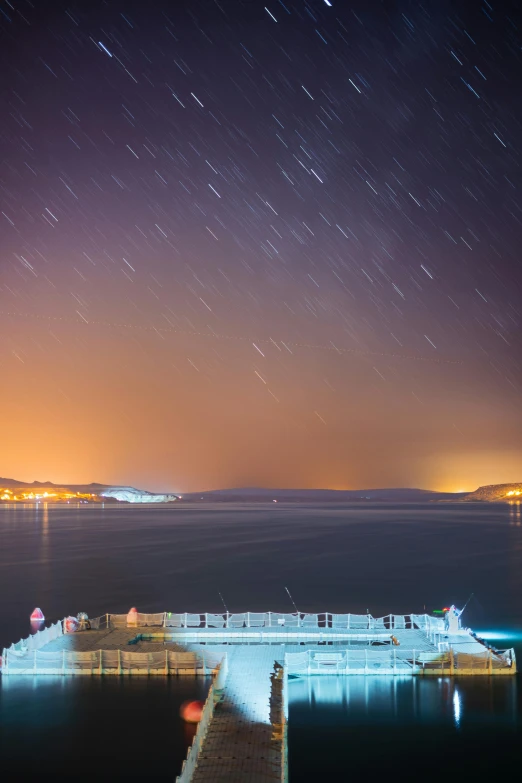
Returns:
(249, 244)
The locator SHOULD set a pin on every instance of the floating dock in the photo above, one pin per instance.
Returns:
(242, 733)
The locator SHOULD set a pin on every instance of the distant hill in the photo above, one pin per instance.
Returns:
(9, 483)
(98, 493)
(495, 493)
(262, 495)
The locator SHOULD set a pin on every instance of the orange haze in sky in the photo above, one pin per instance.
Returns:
(182, 413)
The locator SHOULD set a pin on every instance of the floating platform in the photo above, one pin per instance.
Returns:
(242, 733)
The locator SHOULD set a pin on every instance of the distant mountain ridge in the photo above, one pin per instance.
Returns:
(8, 482)
(486, 494)
(260, 494)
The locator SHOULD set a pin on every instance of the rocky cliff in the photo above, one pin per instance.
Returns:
(495, 493)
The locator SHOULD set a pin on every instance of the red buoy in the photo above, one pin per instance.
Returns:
(191, 711)
(37, 614)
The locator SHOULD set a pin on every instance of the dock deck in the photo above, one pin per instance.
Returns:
(240, 744)
(242, 733)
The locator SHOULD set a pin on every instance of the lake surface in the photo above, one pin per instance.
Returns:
(384, 558)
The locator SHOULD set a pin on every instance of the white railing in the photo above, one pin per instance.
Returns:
(99, 623)
(278, 715)
(32, 643)
(284, 750)
(67, 662)
(400, 662)
(190, 763)
(424, 622)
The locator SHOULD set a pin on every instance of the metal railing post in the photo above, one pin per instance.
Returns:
(100, 665)
(63, 661)
(119, 661)
(166, 662)
(186, 620)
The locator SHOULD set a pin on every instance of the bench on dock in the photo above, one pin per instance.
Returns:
(329, 658)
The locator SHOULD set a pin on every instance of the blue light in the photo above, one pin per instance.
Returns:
(500, 635)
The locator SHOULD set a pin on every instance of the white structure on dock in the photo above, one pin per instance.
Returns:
(242, 733)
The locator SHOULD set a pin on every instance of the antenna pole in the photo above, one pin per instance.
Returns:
(292, 600)
(467, 602)
(223, 600)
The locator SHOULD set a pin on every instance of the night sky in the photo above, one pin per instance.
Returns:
(261, 245)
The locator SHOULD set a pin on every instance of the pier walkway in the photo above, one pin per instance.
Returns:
(240, 744)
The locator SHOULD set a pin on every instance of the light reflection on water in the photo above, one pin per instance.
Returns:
(432, 728)
(428, 700)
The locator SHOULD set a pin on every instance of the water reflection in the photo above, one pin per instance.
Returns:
(356, 728)
(446, 700)
(456, 706)
(57, 723)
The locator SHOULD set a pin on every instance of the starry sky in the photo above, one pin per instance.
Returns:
(261, 245)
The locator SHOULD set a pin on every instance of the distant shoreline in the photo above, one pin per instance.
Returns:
(13, 491)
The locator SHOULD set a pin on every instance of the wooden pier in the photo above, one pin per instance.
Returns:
(241, 737)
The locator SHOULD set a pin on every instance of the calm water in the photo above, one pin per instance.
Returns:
(384, 558)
